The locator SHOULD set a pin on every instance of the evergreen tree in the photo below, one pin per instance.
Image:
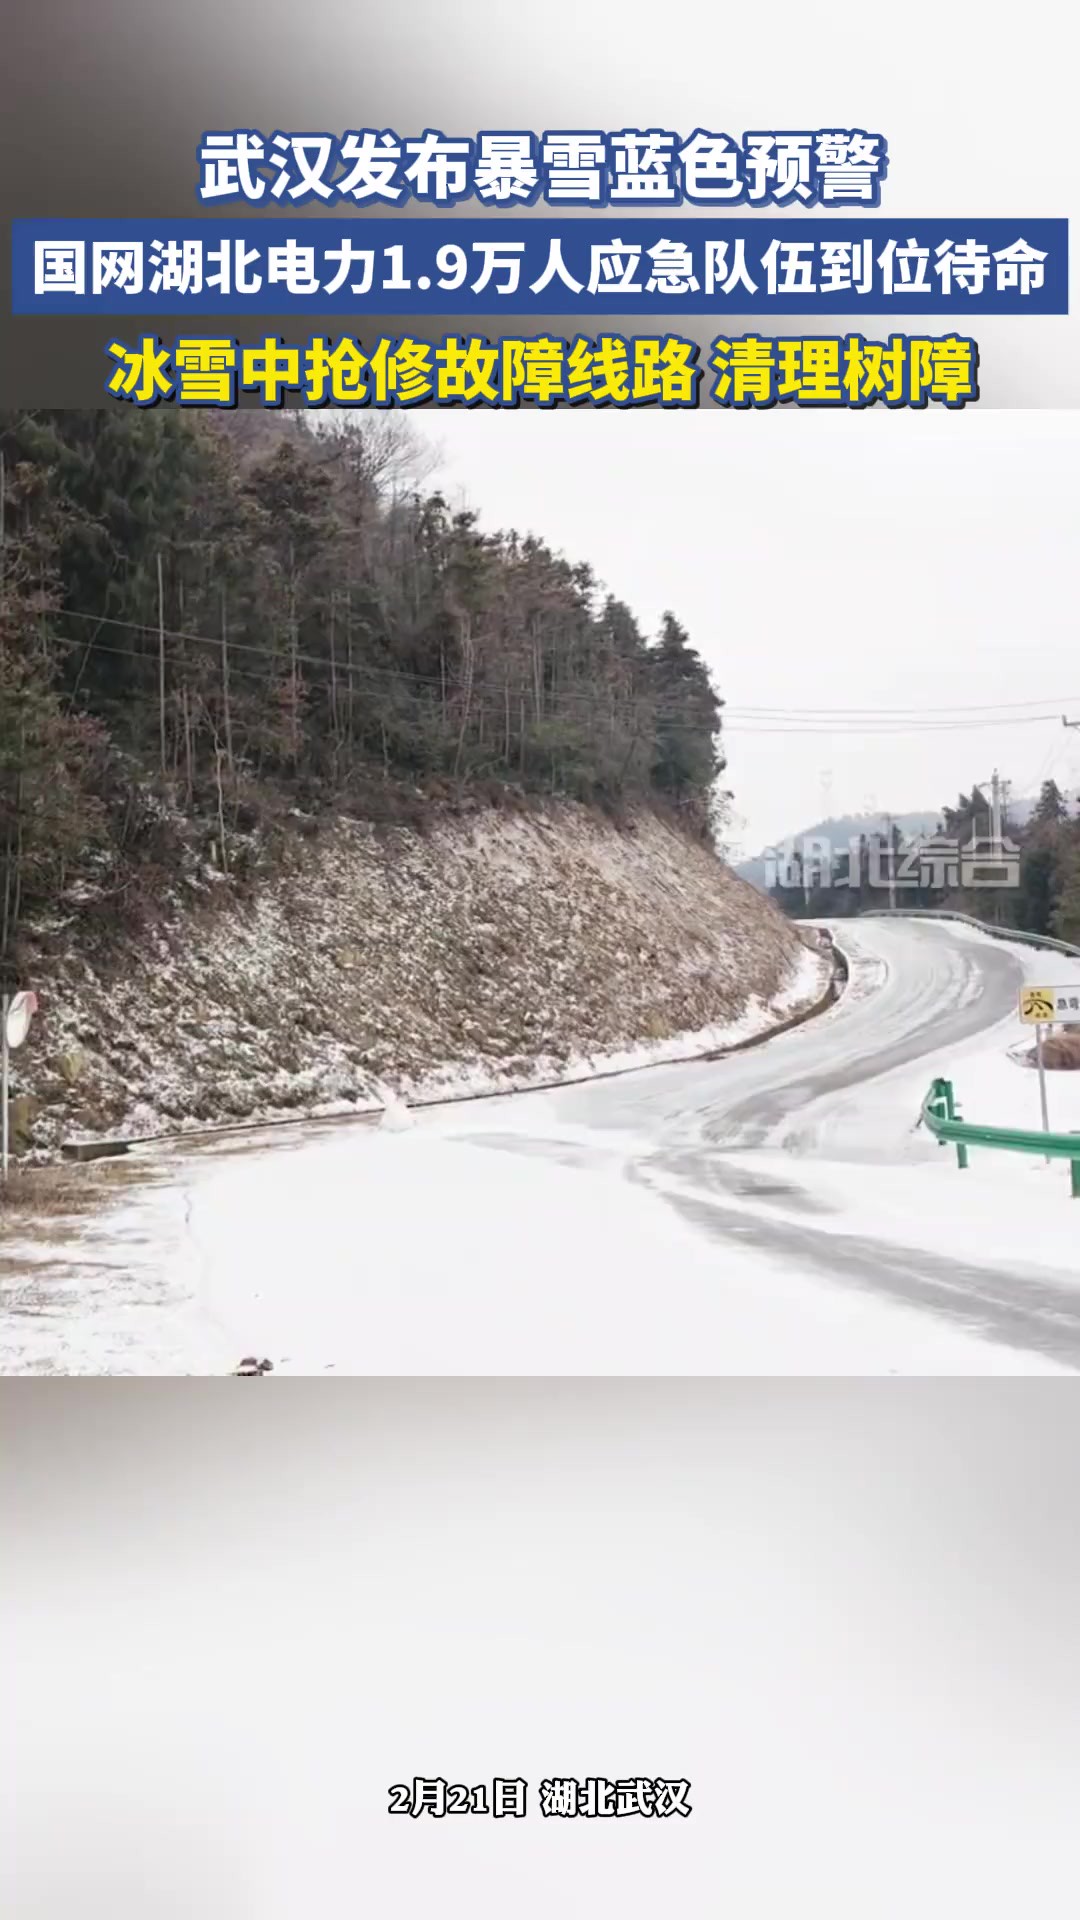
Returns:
(687, 760)
(1065, 917)
(1051, 808)
(219, 618)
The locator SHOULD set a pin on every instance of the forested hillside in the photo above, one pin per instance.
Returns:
(209, 624)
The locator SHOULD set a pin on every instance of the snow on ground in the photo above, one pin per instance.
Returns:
(402, 1251)
(533, 1234)
(117, 1295)
(880, 1174)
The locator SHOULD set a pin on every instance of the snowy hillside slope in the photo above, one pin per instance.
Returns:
(489, 951)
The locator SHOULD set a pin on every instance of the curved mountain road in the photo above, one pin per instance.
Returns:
(826, 1234)
(919, 989)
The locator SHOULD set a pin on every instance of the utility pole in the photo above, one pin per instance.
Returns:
(891, 845)
(994, 818)
(1001, 790)
(995, 810)
(994, 823)
(1066, 722)
(995, 829)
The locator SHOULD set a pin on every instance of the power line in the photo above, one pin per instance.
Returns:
(1001, 706)
(851, 722)
(899, 726)
(284, 655)
(858, 715)
(486, 700)
(490, 699)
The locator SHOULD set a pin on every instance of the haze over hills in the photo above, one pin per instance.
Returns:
(840, 829)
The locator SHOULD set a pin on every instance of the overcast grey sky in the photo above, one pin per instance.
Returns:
(887, 561)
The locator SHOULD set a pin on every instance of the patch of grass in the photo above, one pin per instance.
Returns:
(39, 1194)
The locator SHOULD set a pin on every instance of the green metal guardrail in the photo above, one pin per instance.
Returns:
(941, 1117)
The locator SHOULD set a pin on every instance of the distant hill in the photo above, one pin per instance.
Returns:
(839, 830)
(844, 827)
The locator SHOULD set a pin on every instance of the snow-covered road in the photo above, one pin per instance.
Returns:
(773, 1212)
(807, 1151)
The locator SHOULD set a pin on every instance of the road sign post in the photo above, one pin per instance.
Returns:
(1038, 1005)
(17, 1010)
(1041, 1064)
(1041, 1007)
(5, 1002)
